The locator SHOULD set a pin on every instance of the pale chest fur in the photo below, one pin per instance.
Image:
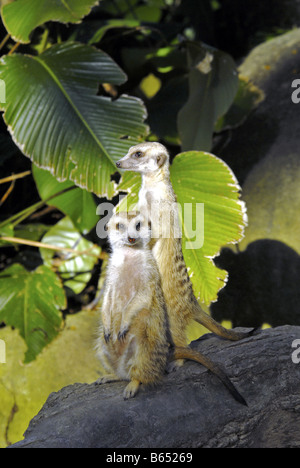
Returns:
(158, 203)
(153, 191)
(126, 275)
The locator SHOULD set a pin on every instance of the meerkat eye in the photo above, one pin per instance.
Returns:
(138, 154)
(120, 227)
(138, 226)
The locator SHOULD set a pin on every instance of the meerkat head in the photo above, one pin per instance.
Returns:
(145, 158)
(129, 229)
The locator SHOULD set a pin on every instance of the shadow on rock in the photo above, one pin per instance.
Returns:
(263, 285)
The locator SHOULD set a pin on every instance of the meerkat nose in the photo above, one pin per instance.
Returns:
(118, 164)
(131, 240)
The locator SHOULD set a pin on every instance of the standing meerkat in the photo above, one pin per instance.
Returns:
(134, 341)
(157, 200)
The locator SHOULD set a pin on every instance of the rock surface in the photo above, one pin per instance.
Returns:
(190, 408)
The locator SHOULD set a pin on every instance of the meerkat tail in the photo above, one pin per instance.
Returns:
(208, 322)
(187, 353)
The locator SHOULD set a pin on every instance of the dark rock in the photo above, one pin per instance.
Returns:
(190, 408)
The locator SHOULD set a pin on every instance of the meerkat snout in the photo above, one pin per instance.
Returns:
(118, 164)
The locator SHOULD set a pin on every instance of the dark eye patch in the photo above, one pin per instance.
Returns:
(138, 154)
(120, 227)
(138, 226)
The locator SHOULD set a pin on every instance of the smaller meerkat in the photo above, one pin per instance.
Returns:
(134, 341)
(157, 201)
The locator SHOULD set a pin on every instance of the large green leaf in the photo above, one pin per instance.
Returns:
(202, 178)
(23, 16)
(74, 269)
(31, 302)
(130, 184)
(213, 84)
(56, 118)
(78, 204)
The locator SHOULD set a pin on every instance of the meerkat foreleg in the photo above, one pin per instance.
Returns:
(106, 314)
(136, 305)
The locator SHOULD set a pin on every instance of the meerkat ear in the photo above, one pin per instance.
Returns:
(161, 159)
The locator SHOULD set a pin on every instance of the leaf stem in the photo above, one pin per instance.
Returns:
(14, 177)
(19, 217)
(17, 240)
(7, 193)
(44, 40)
(4, 41)
(42, 245)
(14, 48)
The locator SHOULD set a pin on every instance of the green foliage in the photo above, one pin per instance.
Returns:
(77, 98)
(74, 268)
(78, 204)
(213, 83)
(31, 302)
(55, 116)
(247, 98)
(202, 178)
(21, 17)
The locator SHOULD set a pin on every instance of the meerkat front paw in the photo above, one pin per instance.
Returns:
(106, 334)
(106, 379)
(131, 389)
(122, 333)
